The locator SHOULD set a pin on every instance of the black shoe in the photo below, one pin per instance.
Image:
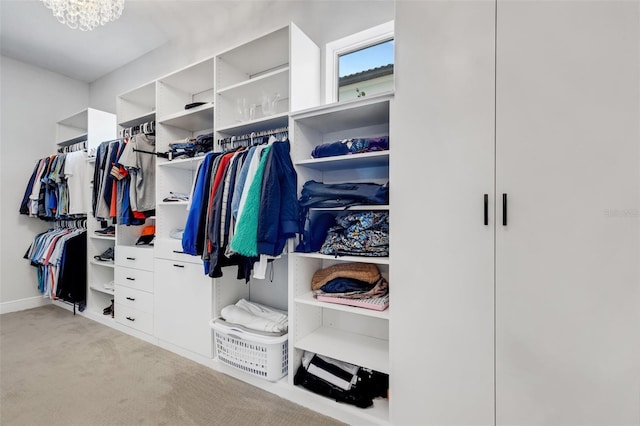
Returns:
(106, 256)
(109, 230)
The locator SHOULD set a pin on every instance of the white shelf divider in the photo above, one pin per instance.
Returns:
(308, 299)
(361, 259)
(357, 349)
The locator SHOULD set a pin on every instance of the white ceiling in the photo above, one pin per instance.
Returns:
(31, 34)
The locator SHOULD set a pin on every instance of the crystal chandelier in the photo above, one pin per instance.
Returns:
(85, 14)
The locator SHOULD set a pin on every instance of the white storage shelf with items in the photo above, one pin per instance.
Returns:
(184, 132)
(344, 330)
(100, 277)
(87, 129)
(257, 84)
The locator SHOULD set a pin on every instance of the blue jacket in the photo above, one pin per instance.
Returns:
(279, 210)
(194, 229)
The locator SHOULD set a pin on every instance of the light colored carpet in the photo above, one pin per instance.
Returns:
(57, 369)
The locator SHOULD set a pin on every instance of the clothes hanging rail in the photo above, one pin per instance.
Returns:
(148, 128)
(79, 223)
(251, 137)
(79, 146)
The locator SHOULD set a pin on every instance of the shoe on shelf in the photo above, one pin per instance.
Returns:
(106, 256)
(109, 231)
(108, 310)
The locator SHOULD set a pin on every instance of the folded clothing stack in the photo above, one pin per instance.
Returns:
(351, 146)
(354, 284)
(253, 316)
(359, 234)
(340, 380)
(191, 147)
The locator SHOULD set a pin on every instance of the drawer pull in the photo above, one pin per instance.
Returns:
(178, 266)
(131, 258)
(131, 298)
(178, 251)
(131, 319)
(131, 279)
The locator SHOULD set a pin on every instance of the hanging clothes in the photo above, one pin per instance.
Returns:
(243, 206)
(60, 256)
(55, 190)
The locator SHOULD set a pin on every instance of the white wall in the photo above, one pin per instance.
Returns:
(32, 101)
(234, 23)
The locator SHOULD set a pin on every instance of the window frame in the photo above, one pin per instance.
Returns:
(361, 40)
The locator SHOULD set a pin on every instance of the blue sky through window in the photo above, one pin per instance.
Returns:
(367, 58)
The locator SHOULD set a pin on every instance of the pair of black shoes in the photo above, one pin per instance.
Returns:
(108, 310)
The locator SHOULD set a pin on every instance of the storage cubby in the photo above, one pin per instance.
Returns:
(259, 82)
(136, 106)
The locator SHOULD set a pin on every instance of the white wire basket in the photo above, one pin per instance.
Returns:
(261, 356)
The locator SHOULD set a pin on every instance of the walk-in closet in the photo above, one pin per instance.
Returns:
(384, 212)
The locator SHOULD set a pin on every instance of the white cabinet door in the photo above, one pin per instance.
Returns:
(183, 298)
(442, 162)
(567, 276)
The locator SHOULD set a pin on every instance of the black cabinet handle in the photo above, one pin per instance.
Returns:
(131, 298)
(131, 319)
(131, 258)
(504, 209)
(131, 279)
(486, 209)
(178, 266)
(178, 251)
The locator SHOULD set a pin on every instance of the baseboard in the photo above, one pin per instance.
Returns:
(23, 304)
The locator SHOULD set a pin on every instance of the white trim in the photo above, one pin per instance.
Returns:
(23, 304)
(368, 37)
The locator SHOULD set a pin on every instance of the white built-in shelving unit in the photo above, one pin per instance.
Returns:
(355, 335)
(183, 294)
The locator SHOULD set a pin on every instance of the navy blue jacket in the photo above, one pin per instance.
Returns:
(279, 210)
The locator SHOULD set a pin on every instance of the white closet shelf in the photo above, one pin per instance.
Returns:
(276, 80)
(101, 289)
(134, 121)
(353, 208)
(357, 349)
(360, 112)
(345, 162)
(194, 119)
(76, 139)
(182, 163)
(173, 203)
(308, 299)
(103, 237)
(361, 259)
(375, 414)
(105, 264)
(265, 123)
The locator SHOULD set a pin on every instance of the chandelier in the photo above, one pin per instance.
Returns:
(85, 14)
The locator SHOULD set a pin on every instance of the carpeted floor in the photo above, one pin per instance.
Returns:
(56, 369)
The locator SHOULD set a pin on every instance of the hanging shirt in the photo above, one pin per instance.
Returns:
(74, 171)
(142, 167)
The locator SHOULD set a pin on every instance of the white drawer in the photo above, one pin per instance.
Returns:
(136, 299)
(171, 249)
(134, 278)
(135, 257)
(142, 321)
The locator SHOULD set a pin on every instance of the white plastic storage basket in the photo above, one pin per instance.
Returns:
(259, 355)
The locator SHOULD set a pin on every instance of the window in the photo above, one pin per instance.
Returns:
(360, 64)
